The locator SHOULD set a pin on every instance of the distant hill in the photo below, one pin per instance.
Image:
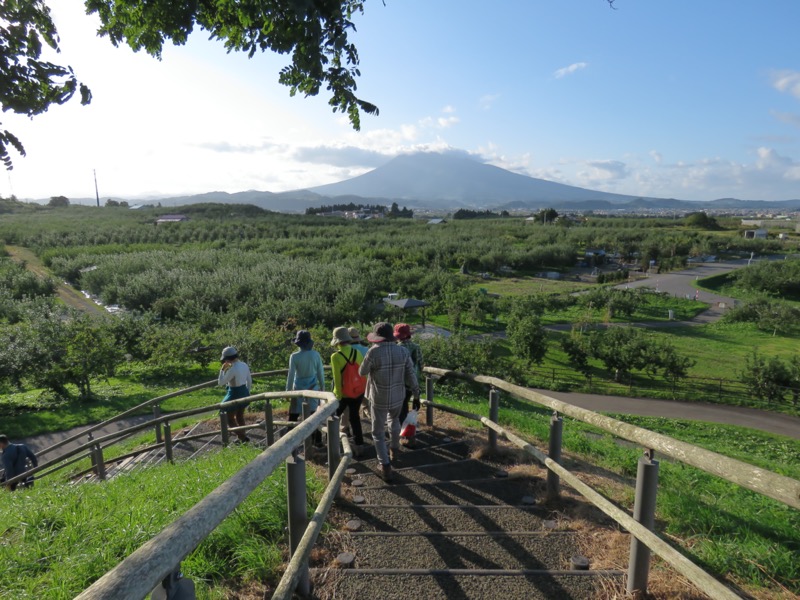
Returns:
(452, 180)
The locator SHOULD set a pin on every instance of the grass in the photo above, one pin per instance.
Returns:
(522, 286)
(734, 533)
(57, 539)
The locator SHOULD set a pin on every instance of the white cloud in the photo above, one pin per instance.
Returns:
(445, 122)
(486, 101)
(656, 156)
(574, 67)
(787, 81)
(598, 172)
(448, 109)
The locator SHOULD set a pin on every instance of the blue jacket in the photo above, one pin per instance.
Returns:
(14, 459)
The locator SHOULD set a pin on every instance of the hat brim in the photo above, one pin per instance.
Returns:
(375, 338)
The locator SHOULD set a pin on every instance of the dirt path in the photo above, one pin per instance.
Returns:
(67, 294)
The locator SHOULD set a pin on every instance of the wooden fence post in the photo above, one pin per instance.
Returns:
(494, 413)
(554, 452)
(168, 440)
(298, 516)
(223, 428)
(644, 511)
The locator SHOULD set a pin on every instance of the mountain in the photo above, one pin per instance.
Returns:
(454, 179)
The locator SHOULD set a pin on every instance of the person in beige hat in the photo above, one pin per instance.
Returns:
(346, 356)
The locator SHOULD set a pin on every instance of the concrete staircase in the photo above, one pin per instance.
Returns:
(451, 526)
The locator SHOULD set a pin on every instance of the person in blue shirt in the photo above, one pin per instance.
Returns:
(15, 461)
(306, 372)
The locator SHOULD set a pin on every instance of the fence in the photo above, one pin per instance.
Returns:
(778, 487)
(93, 447)
(156, 564)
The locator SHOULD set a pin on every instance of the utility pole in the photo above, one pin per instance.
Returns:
(96, 193)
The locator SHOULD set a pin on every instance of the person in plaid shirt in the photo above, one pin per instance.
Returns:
(389, 371)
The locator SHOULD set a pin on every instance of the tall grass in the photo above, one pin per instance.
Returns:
(56, 539)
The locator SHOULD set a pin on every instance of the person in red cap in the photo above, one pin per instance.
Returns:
(402, 333)
(389, 372)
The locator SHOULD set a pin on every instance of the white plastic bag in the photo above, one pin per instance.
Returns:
(409, 427)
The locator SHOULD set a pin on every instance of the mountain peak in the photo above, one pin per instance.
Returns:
(457, 177)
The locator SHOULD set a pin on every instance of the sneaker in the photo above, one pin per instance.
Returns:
(386, 473)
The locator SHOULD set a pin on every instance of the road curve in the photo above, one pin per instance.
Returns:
(770, 422)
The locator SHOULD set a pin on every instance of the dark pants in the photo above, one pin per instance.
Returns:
(316, 436)
(236, 419)
(354, 404)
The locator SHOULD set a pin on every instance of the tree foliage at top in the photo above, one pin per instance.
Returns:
(315, 33)
(29, 85)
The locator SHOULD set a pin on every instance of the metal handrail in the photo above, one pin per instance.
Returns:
(778, 487)
(146, 567)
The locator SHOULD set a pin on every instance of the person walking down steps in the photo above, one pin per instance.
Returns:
(389, 371)
(348, 385)
(402, 333)
(235, 374)
(306, 372)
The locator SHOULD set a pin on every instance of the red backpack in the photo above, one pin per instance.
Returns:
(353, 384)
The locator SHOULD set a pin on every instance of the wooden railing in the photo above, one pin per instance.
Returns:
(643, 540)
(156, 564)
(93, 447)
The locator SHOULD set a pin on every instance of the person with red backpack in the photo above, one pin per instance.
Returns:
(348, 384)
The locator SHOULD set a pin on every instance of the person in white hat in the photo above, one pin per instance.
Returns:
(235, 374)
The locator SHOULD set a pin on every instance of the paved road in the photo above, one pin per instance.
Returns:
(762, 420)
(682, 284)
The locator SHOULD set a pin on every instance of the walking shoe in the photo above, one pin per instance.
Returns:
(386, 473)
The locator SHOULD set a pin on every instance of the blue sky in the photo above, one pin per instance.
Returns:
(671, 98)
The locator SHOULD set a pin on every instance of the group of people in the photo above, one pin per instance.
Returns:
(390, 371)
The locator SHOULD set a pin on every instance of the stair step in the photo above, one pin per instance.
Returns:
(438, 550)
(441, 452)
(477, 491)
(448, 518)
(351, 584)
(431, 473)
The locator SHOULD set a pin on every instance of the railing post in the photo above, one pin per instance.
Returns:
(554, 453)
(223, 428)
(429, 398)
(494, 413)
(156, 416)
(168, 440)
(298, 515)
(100, 464)
(644, 511)
(269, 423)
(334, 454)
(309, 441)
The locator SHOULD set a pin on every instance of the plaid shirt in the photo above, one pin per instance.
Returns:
(389, 372)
